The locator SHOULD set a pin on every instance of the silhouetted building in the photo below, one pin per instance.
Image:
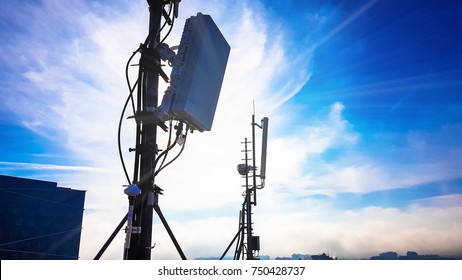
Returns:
(323, 256)
(283, 258)
(386, 256)
(414, 256)
(410, 255)
(39, 220)
(301, 257)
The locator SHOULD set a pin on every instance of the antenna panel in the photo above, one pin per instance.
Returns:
(198, 72)
(264, 145)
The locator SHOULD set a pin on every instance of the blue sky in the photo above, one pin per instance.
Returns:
(364, 100)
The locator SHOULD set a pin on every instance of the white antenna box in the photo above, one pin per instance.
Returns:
(198, 72)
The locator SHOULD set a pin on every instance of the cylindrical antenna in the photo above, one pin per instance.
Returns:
(264, 123)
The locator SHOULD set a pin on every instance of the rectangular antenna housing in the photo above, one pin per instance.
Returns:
(198, 72)
(264, 145)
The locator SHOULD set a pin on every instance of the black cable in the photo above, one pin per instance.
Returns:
(153, 166)
(119, 138)
(128, 79)
(168, 144)
(163, 154)
(172, 20)
(176, 157)
(151, 35)
(179, 129)
(130, 97)
(170, 30)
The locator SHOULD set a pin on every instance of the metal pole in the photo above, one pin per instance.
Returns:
(169, 231)
(113, 235)
(254, 176)
(140, 242)
(231, 243)
(248, 202)
(240, 243)
(129, 230)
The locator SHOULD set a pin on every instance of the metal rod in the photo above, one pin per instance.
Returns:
(240, 244)
(231, 243)
(254, 176)
(111, 238)
(129, 230)
(170, 232)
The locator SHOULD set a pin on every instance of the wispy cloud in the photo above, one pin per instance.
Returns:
(345, 23)
(441, 201)
(41, 166)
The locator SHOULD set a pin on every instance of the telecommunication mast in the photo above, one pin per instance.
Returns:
(248, 244)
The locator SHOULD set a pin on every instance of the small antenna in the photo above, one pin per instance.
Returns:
(264, 123)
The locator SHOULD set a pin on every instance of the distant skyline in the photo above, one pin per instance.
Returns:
(364, 100)
(388, 255)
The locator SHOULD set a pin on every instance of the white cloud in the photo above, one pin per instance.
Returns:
(442, 201)
(295, 160)
(355, 234)
(75, 93)
(40, 166)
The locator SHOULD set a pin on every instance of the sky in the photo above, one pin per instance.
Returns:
(364, 100)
